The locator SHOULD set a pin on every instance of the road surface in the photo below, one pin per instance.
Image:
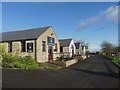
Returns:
(94, 72)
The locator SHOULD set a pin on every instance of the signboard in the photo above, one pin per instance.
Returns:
(51, 41)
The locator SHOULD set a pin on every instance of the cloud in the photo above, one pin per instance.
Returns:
(89, 22)
(110, 14)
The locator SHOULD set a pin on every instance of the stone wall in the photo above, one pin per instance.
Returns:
(70, 62)
(43, 56)
(16, 48)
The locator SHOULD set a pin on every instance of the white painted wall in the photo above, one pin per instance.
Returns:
(70, 49)
(84, 50)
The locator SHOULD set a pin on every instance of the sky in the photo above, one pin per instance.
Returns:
(91, 22)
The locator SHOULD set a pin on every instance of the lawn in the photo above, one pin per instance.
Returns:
(116, 60)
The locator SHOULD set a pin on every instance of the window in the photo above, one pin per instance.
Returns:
(10, 47)
(23, 47)
(43, 46)
(29, 47)
(55, 47)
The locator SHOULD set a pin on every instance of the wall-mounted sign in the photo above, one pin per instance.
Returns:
(51, 41)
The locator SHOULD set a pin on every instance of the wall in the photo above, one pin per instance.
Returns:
(70, 50)
(43, 56)
(70, 62)
(65, 51)
(16, 48)
(79, 51)
(32, 54)
(84, 50)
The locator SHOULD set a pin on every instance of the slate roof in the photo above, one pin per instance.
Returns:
(77, 44)
(29, 34)
(65, 42)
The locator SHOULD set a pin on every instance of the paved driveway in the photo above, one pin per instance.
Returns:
(94, 72)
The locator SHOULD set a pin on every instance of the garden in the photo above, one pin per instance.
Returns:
(9, 61)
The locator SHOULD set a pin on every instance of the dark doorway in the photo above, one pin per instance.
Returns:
(72, 50)
(50, 53)
(61, 49)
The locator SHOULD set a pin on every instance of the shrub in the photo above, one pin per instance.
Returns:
(7, 60)
(2, 51)
(27, 62)
(1, 58)
(117, 61)
(30, 62)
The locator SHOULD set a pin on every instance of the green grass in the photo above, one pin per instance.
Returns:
(116, 60)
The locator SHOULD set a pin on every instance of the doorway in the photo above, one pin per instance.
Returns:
(72, 50)
(50, 53)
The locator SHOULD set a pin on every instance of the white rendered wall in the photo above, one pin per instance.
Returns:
(70, 49)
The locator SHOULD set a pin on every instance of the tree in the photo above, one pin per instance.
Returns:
(107, 48)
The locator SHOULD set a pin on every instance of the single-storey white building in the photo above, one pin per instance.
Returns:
(67, 47)
(80, 48)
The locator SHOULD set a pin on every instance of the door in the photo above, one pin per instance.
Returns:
(50, 53)
(72, 50)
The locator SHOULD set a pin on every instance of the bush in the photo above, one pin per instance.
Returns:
(2, 51)
(117, 61)
(7, 60)
(1, 59)
(10, 61)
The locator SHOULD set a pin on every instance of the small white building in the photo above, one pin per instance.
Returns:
(80, 49)
(67, 47)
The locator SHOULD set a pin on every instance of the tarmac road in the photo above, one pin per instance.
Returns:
(94, 72)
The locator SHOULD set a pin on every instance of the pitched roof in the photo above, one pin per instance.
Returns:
(77, 45)
(65, 42)
(24, 34)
